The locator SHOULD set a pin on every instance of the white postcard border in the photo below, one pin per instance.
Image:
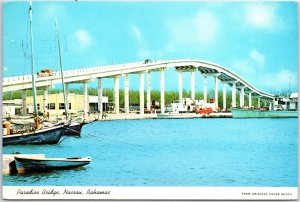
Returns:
(150, 193)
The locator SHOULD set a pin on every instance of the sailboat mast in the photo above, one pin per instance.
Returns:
(32, 61)
(61, 71)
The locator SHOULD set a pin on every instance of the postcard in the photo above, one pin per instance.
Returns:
(150, 100)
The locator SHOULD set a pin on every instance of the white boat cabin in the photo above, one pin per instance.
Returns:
(187, 106)
(285, 103)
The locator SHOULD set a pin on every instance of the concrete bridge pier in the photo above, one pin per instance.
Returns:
(142, 92)
(250, 99)
(116, 94)
(179, 72)
(204, 87)
(233, 95)
(126, 94)
(242, 96)
(86, 99)
(258, 102)
(100, 94)
(148, 91)
(224, 96)
(24, 102)
(216, 91)
(162, 90)
(193, 85)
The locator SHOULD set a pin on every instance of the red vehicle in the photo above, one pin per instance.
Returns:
(204, 111)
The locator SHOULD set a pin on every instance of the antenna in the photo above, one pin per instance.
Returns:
(290, 86)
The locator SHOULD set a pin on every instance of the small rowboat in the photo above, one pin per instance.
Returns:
(25, 164)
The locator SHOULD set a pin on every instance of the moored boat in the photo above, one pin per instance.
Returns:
(256, 113)
(174, 115)
(27, 165)
(280, 107)
(74, 129)
(36, 134)
(45, 135)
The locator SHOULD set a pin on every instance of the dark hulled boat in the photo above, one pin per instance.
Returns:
(74, 129)
(49, 135)
(27, 165)
(39, 135)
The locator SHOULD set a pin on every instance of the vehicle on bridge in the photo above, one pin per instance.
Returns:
(45, 73)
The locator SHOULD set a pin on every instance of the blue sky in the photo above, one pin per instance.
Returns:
(258, 41)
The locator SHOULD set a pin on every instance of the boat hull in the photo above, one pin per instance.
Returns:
(27, 165)
(43, 136)
(179, 116)
(74, 129)
(248, 113)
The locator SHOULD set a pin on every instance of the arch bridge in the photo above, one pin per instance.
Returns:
(85, 75)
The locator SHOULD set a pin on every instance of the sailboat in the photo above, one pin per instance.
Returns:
(73, 127)
(39, 134)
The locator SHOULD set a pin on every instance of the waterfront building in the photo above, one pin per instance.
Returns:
(55, 104)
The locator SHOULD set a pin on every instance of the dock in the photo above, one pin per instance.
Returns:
(8, 162)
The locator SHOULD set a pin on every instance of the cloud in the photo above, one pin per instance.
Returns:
(261, 15)
(285, 77)
(137, 33)
(143, 50)
(200, 29)
(251, 64)
(243, 67)
(280, 80)
(259, 58)
(144, 53)
(83, 38)
(50, 11)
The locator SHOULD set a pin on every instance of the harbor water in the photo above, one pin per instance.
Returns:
(175, 152)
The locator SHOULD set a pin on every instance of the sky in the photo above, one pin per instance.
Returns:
(256, 40)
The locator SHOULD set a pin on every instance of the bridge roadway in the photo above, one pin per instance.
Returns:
(85, 75)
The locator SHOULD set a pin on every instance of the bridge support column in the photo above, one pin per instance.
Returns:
(126, 94)
(250, 99)
(224, 96)
(242, 97)
(258, 102)
(116, 95)
(100, 96)
(162, 91)
(192, 85)
(204, 88)
(142, 93)
(45, 99)
(233, 95)
(148, 91)
(216, 92)
(180, 85)
(67, 97)
(24, 102)
(86, 99)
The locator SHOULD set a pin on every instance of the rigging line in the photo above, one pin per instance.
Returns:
(25, 49)
(62, 139)
(101, 134)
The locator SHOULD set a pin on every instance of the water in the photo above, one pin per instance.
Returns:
(186, 152)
